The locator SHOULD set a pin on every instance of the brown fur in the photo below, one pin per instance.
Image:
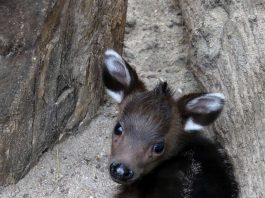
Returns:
(189, 166)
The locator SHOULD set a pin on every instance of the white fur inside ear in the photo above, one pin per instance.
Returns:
(117, 67)
(217, 95)
(218, 103)
(117, 96)
(191, 126)
(215, 102)
(111, 52)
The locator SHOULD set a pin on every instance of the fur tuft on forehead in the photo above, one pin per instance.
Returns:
(162, 89)
(154, 105)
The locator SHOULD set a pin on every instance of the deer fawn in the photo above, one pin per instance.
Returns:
(157, 150)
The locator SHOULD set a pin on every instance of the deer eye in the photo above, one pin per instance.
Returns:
(118, 129)
(159, 147)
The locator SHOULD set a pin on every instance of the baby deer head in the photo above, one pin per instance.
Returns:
(152, 125)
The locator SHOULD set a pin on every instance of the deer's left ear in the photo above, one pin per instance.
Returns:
(200, 110)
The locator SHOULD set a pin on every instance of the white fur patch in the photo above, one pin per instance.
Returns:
(116, 65)
(218, 103)
(215, 106)
(218, 95)
(215, 102)
(111, 52)
(191, 126)
(117, 96)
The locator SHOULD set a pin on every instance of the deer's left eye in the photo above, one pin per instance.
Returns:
(159, 147)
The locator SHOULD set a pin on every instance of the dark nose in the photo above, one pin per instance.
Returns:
(120, 172)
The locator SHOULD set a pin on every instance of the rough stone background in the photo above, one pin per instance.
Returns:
(50, 53)
(229, 34)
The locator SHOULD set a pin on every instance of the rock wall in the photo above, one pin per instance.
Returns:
(50, 76)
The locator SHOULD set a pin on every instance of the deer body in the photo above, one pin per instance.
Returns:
(198, 170)
(157, 150)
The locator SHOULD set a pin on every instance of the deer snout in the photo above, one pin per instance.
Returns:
(120, 173)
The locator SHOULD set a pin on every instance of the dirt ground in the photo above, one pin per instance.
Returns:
(77, 167)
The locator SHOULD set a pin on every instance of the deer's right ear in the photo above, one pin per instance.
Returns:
(119, 78)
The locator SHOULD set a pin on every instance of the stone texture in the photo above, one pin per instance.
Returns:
(50, 73)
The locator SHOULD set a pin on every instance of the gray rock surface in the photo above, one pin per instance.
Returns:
(50, 52)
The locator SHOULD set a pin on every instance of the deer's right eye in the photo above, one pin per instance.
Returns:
(118, 129)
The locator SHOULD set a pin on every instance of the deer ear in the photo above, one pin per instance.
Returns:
(119, 77)
(200, 110)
